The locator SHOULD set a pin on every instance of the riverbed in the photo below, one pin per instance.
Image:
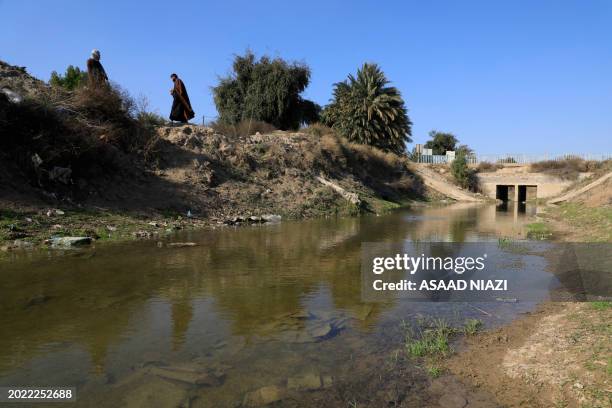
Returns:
(273, 307)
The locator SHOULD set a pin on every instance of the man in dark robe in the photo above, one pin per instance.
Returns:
(95, 71)
(181, 107)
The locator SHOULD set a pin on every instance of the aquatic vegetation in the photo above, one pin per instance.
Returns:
(432, 341)
(472, 326)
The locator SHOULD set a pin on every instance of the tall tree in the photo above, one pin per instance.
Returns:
(267, 90)
(441, 142)
(364, 109)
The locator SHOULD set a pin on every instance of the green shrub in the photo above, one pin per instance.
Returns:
(366, 110)
(267, 90)
(463, 175)
(71, 80)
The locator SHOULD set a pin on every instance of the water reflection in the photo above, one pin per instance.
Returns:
(89, 320)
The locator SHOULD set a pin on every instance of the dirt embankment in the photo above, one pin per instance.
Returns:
(216, 179)
(87, 162)
(583, 213)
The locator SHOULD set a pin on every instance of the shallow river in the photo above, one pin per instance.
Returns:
(248, 307)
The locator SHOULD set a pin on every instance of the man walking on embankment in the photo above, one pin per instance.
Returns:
(181, 107)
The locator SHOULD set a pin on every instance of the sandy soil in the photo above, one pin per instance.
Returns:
(557, 356)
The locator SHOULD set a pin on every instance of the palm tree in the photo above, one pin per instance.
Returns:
(365, 110)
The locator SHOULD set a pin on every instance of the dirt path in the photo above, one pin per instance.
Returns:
(432, 180)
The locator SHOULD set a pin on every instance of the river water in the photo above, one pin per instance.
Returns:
(247, 308)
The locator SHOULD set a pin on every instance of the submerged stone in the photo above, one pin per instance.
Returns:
(321, 330)
(156, 392)
(181, 244)
(189, 376)
(264, 396)
(306, 382)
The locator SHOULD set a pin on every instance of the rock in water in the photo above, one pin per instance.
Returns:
(271, 218)
(321, 331)
(181, 244)
(66, 242)
(188, 376)
(156, 392)
(306, 382)
(264, 396)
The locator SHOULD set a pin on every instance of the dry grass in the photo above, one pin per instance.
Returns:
(246, 127)
(487, 167)
(86, 131)
(318, 129)
(568, 169)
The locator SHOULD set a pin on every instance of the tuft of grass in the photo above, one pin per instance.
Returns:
(538, 231)
(601, 305)
(434, 370)
(472, 326)
(431, 342)
(504, 242)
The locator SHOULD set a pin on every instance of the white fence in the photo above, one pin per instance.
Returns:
(512, 158)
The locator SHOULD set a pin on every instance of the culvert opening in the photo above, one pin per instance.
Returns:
(501, 192)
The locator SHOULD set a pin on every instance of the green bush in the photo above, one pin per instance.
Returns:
(267, 90)
(366, 110)
(71, 80)
(463, 175)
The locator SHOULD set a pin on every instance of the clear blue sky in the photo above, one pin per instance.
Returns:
(504, 76)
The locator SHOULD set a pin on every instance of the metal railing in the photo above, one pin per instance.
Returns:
(513, 158)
